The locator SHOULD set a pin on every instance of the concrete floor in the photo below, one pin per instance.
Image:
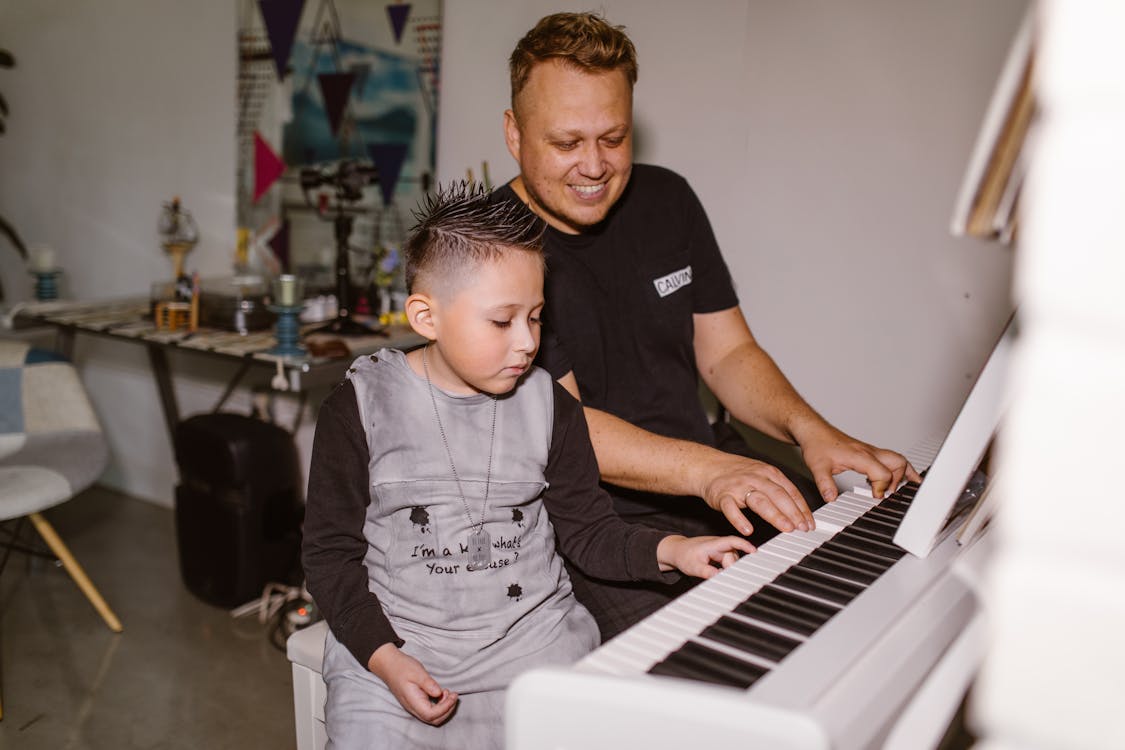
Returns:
(183, 674)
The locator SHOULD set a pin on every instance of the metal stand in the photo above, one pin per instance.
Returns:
(344, 324)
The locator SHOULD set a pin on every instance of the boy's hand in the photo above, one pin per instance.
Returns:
(697, 556)
(412, 685)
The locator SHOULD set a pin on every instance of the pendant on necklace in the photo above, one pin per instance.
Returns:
(480, 550)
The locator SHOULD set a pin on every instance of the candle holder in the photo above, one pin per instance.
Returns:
(288, 331)
(46, 283)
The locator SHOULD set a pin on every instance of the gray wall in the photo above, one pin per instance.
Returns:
(827, 140)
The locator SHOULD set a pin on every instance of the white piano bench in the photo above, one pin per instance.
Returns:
(305, 649)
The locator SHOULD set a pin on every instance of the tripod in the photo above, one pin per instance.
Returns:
(348, 180)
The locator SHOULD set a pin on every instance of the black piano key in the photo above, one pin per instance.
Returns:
(853, 588)
(800, 620)
(884, 516)
(859, 543)
(788, 598)
(880, 531)
(870, 518)
(853, 561)
(695, 661)
(816, 562)
(768, 612)
(889, 512)
(748, 637)
(878, 538)
(852, 549)
(894, 508)
(813, 583)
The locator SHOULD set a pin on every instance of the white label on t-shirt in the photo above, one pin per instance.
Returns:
(665, 285)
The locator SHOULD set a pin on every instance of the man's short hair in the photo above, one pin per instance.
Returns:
(584, 40)
(462, 224)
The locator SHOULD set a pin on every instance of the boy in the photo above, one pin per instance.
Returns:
(439, 481)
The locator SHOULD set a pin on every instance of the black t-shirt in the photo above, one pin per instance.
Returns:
(620, 299)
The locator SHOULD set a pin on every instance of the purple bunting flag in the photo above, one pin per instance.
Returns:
(334, 88)
(388, 158)
(398, 14)
(281, 18)
(279, 243)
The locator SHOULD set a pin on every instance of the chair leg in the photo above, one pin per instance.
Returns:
(76, 572)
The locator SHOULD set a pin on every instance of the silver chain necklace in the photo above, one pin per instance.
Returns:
(480, 543)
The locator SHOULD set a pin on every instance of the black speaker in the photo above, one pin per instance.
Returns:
(238, 506)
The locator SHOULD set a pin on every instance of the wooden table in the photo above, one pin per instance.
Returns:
(130, 320)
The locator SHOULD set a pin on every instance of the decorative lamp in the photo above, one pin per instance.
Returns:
(178, 234)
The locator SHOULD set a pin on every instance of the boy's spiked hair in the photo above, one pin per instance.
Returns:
(462, 223)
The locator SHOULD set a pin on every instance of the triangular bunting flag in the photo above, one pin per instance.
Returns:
(334, 88)
(267, 166)
(281, 18)
(388, 158)
(279, 243)
(398, 13)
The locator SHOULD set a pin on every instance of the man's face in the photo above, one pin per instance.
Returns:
(573, 139)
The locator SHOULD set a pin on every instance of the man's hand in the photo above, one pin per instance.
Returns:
(737, 482)
(698, 555)
(412, 685)
(828, 452)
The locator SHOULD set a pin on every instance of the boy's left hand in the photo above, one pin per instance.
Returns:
(700, 556)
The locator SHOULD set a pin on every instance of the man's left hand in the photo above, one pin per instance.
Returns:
(830, 452)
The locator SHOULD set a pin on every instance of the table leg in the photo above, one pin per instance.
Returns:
(160, 370)
(64, 342)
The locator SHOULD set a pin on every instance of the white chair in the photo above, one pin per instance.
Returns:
(51, 448)
(306, 652)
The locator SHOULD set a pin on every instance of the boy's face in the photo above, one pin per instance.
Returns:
(486, 329)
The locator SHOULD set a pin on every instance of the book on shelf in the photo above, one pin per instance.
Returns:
(988, 202)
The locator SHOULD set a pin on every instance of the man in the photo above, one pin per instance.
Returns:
(640, 305)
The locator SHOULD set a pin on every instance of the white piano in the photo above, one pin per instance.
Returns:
(862, 633)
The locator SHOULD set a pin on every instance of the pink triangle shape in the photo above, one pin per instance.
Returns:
(267, 166)
(398, 13)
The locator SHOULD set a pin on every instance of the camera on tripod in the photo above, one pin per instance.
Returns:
(348, 177)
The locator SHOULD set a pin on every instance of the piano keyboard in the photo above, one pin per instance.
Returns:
(769, 603)
(818, 640)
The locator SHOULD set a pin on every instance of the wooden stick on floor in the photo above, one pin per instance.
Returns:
(75, 570)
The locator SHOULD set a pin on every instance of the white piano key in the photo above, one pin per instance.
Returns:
(841, 516)
(660, 641)
(786, 552)
(798, 547)
(859, 506)
(716, 600)
(611, 660)
(748, 576)
(817, 536)
(770, 561)
(736, 589)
